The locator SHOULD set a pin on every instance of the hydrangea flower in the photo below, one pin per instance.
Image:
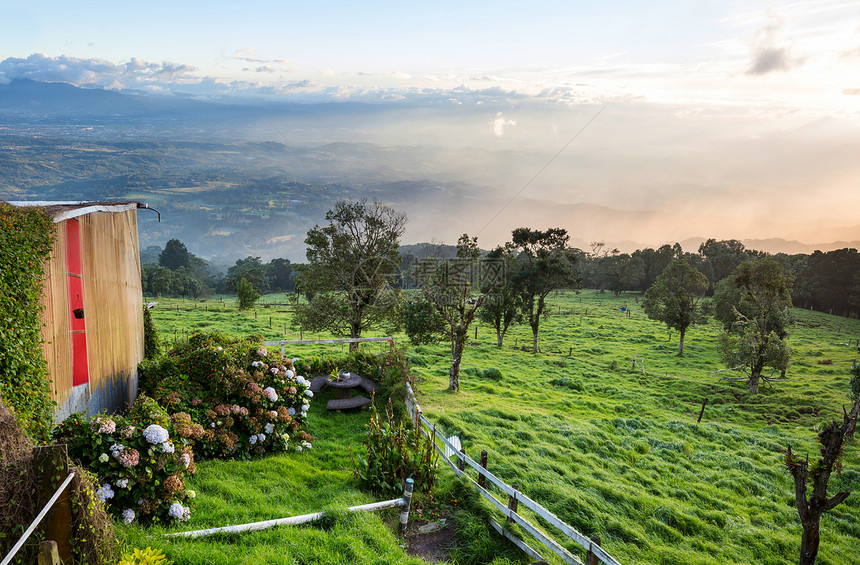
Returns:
(155, 434)
(190, 493)
(127, 431)
(309, 393)
(295, 360)
(179, 512)
(122, 483)
(106, 426)
(261, 438)
(105, 492)
(185, 459)
(292, 390)
(274, 370)
(292, 411)
(290, 374)
(272, 414)
(269, 428)
(167, 447)
(262, 352)
(306, 445)
(104, 458)
(219, 348)
(128, 515)
(116, 448)
(128, 457)
(270, 394)
(257, 364)
(252, 440)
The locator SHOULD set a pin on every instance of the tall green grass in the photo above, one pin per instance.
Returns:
(611, 449)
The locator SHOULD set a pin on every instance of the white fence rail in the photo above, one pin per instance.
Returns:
(447, 447)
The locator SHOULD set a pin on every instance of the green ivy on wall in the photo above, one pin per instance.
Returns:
(26, 240)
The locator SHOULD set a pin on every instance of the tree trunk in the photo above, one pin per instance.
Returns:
(809, 541)
(681, 343)
(354, 332)
(459, 344)
(755, 379)
(534, 339)
(500, 337)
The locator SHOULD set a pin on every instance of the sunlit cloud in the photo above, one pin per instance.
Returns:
(500, 123)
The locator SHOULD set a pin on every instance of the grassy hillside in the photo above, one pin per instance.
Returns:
(616, 450)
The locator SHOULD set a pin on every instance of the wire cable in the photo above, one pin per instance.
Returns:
(548, 163)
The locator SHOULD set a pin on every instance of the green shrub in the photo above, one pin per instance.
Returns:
(396, 451)
(151, 341)
(141, 460)
(246, 293)
(247, 401)
(26, 241)
(492, 373)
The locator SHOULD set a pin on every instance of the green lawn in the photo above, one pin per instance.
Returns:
(610, 449)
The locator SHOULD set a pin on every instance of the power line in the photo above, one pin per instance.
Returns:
(548, 163)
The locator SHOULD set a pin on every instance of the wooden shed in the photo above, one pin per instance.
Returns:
(93, 320)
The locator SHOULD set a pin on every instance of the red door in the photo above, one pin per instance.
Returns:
(80, 369)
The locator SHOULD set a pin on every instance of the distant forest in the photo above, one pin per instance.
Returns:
(823, 281)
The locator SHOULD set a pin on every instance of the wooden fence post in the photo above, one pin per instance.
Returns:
(51, 464)
(482, 480)
(702, 411)
(513, 502)
(461, 463)
(591, 558)
(48, 554)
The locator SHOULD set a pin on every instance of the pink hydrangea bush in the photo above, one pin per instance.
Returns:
(141, 460)
(248, 400)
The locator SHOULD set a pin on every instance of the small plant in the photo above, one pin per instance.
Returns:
(492, 373)
(148, 556)
(396, 451)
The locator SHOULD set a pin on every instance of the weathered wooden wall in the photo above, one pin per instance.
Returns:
(58, 340)
(110, 270)
(114, 304)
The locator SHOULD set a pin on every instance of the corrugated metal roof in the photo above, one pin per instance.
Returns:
(63, 210)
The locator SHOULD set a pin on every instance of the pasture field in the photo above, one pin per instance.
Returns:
(609, 448)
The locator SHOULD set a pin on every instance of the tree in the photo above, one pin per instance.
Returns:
(544, 264)
(621, 272)
(448, 286)
(246, 293)
(754, 306)
(250, 268)
(422, 323)
(811, 505)
(674, 298)
(175, 255)
(504, 304)
(279, 275)
(351, 266)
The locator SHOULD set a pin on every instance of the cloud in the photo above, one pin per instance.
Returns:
(499, 124)
(327, 72)
(851, 91)
(769, 52)
(94, 72)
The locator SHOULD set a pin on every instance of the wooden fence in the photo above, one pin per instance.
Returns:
(284, 342)
(450, 452)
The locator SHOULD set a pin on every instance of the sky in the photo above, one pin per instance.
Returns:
(739, 109)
